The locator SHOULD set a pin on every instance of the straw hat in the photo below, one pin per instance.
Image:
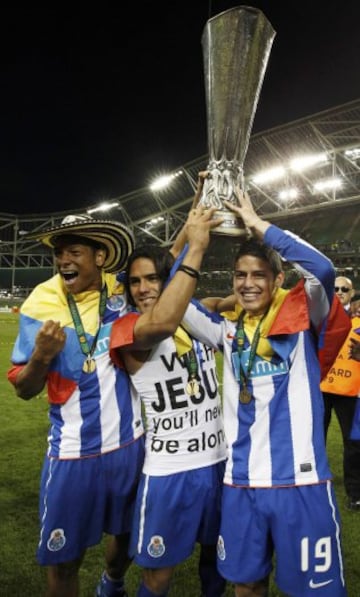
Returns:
(117, 239)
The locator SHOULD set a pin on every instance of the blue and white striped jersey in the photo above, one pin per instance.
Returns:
(278, 438)
(90, 413)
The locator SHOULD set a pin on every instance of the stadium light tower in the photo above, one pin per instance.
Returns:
(353, 154)
(164, 181)
(328, 184)
(301, 163)
(105, 206)
(287, 194)
(269, 176)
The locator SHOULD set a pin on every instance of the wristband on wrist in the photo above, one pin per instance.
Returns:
(190, 271)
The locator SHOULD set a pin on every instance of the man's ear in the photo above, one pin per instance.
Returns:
(100, 257)
(279, 280)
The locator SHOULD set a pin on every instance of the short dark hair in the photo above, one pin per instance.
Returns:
(262, 251)
(76, 239)
(161, 258)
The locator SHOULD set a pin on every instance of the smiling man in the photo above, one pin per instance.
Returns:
(278, 497)
(95, 449)
(178, 500)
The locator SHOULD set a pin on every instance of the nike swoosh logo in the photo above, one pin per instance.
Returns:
(317, 585)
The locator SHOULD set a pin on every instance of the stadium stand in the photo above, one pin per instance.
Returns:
(316, 197)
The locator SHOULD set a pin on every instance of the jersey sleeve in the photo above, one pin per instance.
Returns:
(122, 334)
(316, 269)
(204, 325)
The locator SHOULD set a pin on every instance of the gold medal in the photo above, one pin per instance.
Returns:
(244, 396)
(192, 387)
(89, 365)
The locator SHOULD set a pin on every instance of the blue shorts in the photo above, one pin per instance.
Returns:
(173, 512)
(301, 525)
(82, 498)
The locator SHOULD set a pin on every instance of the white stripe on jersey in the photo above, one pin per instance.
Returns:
(260, 466)
(71, 427)
(301, 417)
(109, 417)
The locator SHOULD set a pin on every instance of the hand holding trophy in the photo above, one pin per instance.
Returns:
(236, 48)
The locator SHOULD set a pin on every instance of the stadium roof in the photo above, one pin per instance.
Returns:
(334, 135)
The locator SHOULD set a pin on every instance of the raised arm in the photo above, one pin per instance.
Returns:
(254, 223)
(219, 304)
(164, 318)
(180, 240)
(316, 269)
(49, 341)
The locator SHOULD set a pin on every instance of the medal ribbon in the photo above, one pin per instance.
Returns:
(240, 342)
(189, 357)
(78, 325)
(191, 364)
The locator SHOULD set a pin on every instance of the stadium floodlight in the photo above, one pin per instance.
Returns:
(154, 221)
(308, 161)
(287, 194)
(353, 154)
(105, 206)
(164, 181)
(328, 184)
(268, 176)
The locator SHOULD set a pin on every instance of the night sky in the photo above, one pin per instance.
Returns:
(96, 101)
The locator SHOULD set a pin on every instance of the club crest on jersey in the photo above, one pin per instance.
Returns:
(156, 547)
(57, 540)
(116, 302)
(221, 548)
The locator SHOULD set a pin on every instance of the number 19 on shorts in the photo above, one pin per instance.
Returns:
(322, 554)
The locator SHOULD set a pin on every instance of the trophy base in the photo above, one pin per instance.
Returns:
(231, 226)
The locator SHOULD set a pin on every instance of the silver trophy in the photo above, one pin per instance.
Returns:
(236, 47)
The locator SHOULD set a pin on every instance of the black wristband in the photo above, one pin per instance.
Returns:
(190, 271)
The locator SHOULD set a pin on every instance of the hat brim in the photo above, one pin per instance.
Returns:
(118, 240)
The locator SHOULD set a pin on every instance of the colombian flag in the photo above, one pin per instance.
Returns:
(48, 301)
